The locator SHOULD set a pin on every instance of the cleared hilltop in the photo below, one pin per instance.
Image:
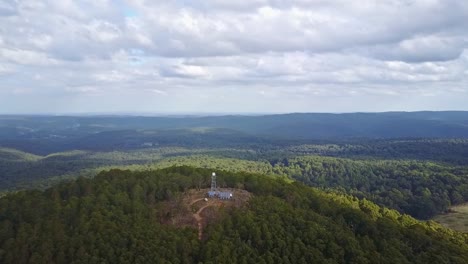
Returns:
(121, 217)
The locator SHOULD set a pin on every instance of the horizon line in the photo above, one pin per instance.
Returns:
(207, 114)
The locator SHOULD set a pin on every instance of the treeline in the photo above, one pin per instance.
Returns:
(451, 151)
(132, 139)
(113, 218)
(421, 189)
(22, 170)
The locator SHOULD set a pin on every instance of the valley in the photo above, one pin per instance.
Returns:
(339, 200)
(233, 132)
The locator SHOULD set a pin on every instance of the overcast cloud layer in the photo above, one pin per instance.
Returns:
(64, 56)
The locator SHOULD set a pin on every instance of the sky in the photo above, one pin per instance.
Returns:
(215, 56)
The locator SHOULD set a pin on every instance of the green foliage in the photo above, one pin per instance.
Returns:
(452, 151)
(421, 189)
(7, 154)
(19, 170)
(114, 218)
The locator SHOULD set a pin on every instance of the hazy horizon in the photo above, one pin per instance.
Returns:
(208, 114)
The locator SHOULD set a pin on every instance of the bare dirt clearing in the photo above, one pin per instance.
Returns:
(194, 209)
(456, 218)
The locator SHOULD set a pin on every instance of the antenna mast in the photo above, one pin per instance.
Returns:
(213, 182)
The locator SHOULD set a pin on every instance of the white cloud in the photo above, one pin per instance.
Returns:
(41, 41)
(25, 57)
(305, 55)
(103, 31)
(192, 71)
(112, 76)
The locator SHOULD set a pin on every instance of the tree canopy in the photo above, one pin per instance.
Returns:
(113, 218)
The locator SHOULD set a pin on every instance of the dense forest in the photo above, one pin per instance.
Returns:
(415, 173)
(412, 135)
(419, 188)
(173, 132)
(19, 169)
(114, 218)
(449, 124)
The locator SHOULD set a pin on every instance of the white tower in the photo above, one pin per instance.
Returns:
(213, 182)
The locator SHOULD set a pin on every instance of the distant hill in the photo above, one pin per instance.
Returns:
(125, 217)
(291, 126)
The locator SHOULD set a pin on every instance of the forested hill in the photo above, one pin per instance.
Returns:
(291, 126)
(116, 218)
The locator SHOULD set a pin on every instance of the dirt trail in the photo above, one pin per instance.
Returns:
(199, 220)
(197, 200)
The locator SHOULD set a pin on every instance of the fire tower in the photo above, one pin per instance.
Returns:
(213, 182)
(214, 193)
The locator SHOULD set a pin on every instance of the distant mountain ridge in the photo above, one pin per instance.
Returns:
(425, 124)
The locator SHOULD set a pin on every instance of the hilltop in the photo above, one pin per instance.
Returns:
(193, 208)
(118, 217)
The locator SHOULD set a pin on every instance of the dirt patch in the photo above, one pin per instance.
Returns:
(194, 209)
(456, 218)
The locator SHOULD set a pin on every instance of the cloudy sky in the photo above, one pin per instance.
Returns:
(224, 56)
